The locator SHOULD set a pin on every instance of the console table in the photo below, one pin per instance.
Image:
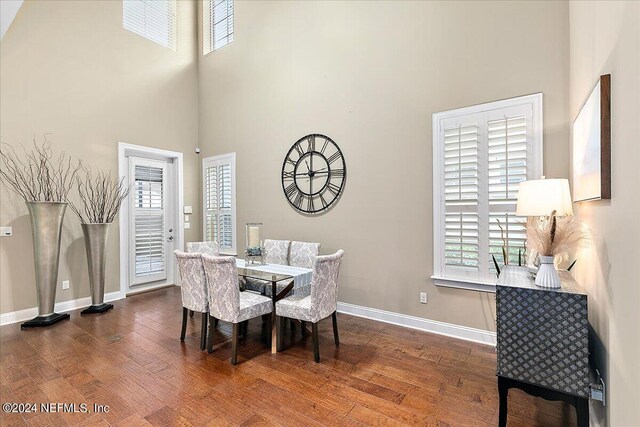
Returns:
(542, 341)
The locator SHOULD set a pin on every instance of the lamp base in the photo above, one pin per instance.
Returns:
(42, 321)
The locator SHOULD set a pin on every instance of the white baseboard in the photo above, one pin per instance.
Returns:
(433, 326)
(61, 307)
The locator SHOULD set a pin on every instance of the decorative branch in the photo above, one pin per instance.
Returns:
(101, 197)
(39, 177)
(504, 244)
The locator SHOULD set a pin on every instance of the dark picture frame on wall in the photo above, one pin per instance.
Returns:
(591, 152)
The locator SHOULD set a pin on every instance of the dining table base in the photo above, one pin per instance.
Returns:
(275, 297)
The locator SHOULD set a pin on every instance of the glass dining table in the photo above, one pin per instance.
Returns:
(274, 274)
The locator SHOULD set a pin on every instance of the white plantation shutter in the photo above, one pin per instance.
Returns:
(149, 214)
(481, 154)
(217, 24)
(219, 201)
(461, 194)
(510, 155)
(153, 19)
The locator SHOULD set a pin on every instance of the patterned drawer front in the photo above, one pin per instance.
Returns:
(543, 338)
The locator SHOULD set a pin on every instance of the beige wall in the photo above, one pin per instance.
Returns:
(370, 75)
(69, 69)
(605, 38)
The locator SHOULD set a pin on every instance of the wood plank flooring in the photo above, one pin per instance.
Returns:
(131, 359)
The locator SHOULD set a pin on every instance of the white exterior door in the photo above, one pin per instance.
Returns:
(151, 237)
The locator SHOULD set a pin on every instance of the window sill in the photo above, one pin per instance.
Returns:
(464, 284)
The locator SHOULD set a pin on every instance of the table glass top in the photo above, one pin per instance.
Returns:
(262, 275)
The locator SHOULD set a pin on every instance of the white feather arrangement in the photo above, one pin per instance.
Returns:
(556, 235)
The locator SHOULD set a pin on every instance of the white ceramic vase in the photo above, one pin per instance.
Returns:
(547, 276)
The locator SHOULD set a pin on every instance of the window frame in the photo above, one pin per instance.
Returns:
(221, 159)
(208, 27)
(536, 102)
(172, 30)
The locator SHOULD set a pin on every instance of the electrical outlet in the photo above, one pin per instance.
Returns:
(65, 284)
(423, 297)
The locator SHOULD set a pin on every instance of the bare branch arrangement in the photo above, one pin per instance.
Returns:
(101, 197)
(556, 236)
(39, 177)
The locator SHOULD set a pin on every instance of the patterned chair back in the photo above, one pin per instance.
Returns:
(194, 285)
(224, 292)
(209, 248)
(324, 284)
(277, 251)
(303, 254)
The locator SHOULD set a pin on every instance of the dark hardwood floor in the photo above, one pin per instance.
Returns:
(131, 359)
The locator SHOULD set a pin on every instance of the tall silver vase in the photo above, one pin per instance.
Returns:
(46, 229)
(95, 242)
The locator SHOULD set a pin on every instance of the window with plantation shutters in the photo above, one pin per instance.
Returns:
(480, 155)
(152, 19)
(217, 24)
(148, 209)
(219, 213)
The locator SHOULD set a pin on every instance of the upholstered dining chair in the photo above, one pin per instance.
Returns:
(194, 291)
(322, 302)
(209, 248)
(276, 252)
(303, 254)
(226, 302)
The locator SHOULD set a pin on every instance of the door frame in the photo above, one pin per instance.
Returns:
(125, 150)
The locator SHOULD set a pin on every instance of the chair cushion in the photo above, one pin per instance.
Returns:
(255, 285)
(295, 308)
(277, 251)
(252, 305)
(209, 248)
(193, 282)
(303, 254)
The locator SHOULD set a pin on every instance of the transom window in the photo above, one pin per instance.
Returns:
(217, 24)
(152, 19)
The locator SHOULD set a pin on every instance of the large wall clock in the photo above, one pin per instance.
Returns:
(313, 174)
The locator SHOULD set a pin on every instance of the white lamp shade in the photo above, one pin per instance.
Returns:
(542, 196)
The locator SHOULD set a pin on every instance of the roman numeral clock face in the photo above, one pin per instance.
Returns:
(313, 174)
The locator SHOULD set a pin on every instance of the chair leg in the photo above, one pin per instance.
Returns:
(203, 331)
(212, 326)
(269, 331)
(183, 331)
(191, 313)
(316, 344)
(234, 343)
(335, 328)
(279, 332)
(303, 327)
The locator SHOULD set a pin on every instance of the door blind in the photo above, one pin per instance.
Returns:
(217, 24)
(152, 19)
(148, 201)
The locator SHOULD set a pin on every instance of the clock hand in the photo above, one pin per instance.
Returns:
(308, 168)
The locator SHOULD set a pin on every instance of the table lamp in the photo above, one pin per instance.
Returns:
(547, 199)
